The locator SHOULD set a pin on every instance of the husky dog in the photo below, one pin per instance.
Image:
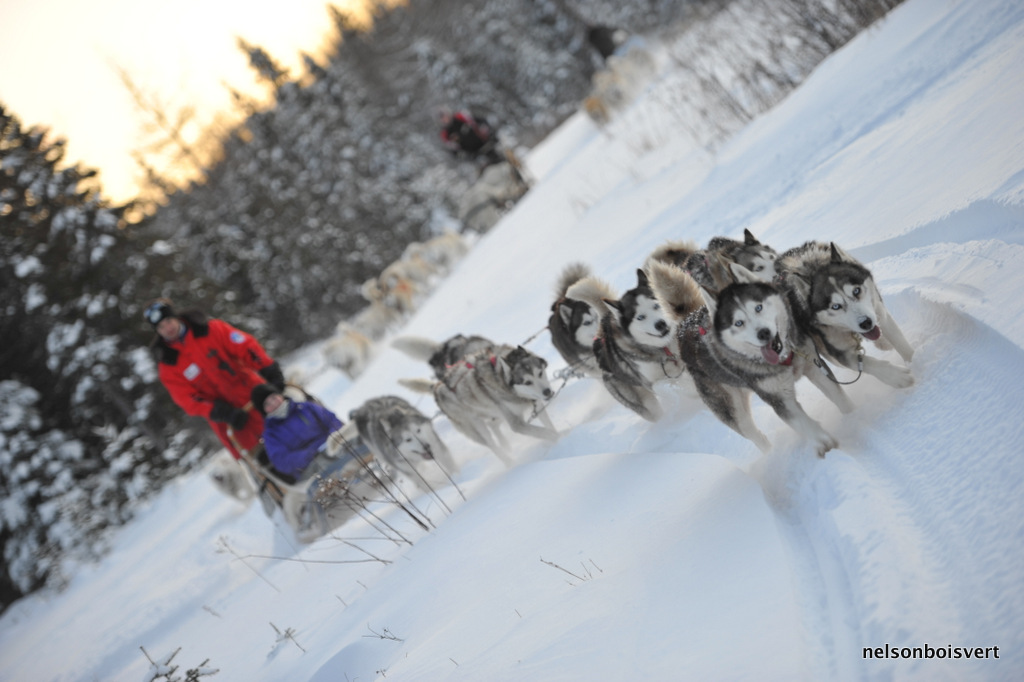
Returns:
(441, 356)
(229, 477)
(349, 350)
(403, 437)
(747, 341)
(636, 345)
(493, 386)
(441, 252)
(835, 298)
(710, 267)
(574, 322)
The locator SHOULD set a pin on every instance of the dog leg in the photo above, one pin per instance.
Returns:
(731, 405)
(497, 442)
(517, 424)
(743, 419)
(640, 400)
(892, 332)
(545, 418)
(888, 373)
(785, 404)
(831, 389)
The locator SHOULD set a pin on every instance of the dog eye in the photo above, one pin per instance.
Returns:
(837, 306)
(759, 268)
(657, 306)
(641, 318)
(758, 307)
(856, 291)
(738, 323)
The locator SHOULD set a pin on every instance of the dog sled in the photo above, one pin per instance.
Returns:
(338, 484)
(498, 188)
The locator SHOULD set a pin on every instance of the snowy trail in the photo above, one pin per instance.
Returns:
(884, 528)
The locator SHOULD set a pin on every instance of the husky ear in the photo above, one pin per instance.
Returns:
(565, 313)
(641, 278)
(742, 275)
(710, 302)
(838, 255)
(526, 355)
(749, 239)
(613, 303)
(502, 367)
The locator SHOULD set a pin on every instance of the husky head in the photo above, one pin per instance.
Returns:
(641, 316)
(413, 436)
(525, 373)
(578, 320)
(756, 257)
(752, 319)
(843, 295)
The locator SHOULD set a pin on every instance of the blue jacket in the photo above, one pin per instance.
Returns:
(292, 442)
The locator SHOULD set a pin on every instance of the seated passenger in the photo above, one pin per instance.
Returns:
(294, 432)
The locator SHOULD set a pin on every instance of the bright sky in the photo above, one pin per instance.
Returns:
(57, 57)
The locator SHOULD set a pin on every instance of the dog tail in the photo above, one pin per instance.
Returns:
(678, 293)
(594, 292)
(418, 385)
(674, 252)
(416, 347)
(572, 273)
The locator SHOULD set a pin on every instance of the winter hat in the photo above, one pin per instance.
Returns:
(158, 311)
(260, 394)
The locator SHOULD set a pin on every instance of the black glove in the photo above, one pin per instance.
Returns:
(273, 375)
(226, 413)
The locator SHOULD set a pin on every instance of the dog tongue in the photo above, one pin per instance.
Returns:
(770, 356)
(873, 334)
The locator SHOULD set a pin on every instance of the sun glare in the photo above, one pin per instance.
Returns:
(67, 75)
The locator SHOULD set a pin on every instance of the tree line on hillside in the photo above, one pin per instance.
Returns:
(304, 201)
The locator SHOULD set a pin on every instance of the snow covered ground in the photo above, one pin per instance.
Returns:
(668, 551)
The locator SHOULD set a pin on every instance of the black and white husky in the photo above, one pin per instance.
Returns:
(506, 384)
(835, 298)
(404, 438)
(636, 344)
(574, 322)
(746, 341)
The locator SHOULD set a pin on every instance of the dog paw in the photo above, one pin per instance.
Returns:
(825, 444)
(898, 377)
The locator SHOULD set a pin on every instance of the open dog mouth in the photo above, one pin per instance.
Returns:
(772, 352)
(873, 334)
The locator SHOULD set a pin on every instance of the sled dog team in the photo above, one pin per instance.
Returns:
(724, 322)
(730, 320)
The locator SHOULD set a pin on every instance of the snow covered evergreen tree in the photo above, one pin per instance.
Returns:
(77, 440)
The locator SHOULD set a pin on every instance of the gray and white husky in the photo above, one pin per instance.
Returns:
(746, 341)
(711, 266)
(835, 298)
(574, 322)
(441, 356)
(636, 344)
(404, 438)
(506, 384)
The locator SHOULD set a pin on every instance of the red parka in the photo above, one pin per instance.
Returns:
(214, 361)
